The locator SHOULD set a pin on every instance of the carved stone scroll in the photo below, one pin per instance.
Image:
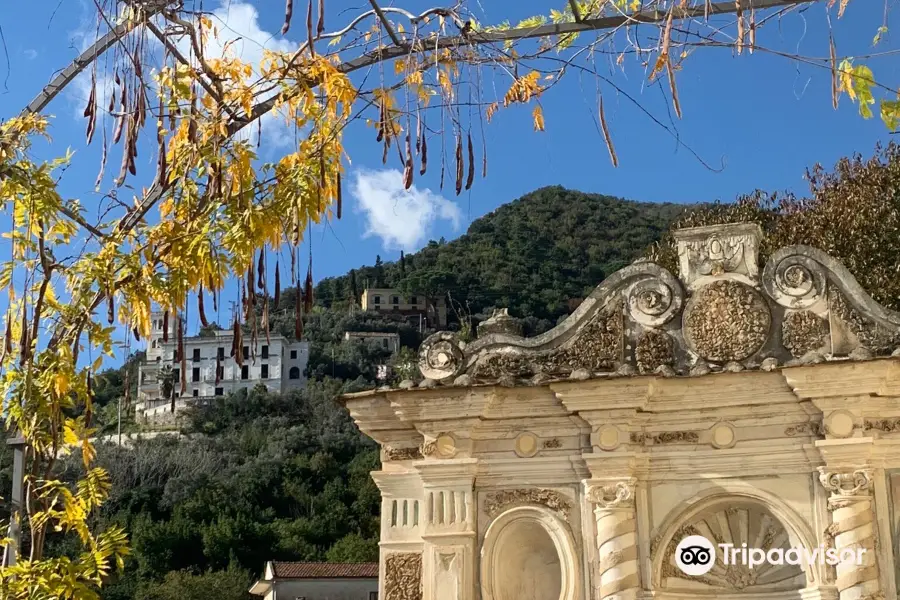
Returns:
(403, 576)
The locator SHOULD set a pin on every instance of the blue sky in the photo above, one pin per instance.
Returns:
(763, 117)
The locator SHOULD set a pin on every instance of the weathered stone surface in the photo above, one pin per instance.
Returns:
(496, 503)
(803, 332)
(726, 320)
(403, 576)
(500, 322)
(654, 349)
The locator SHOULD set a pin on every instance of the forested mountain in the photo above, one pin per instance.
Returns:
(532, 255)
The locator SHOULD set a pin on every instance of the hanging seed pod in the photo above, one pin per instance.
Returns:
(320, 27)
(835, 86)
(179, 346)
(384, 154)
(288, 14)
(141, 110)
(137, 335)
(309, 28)
(7, 338)
(606, 137)
(103, 158)
(471, 176)
(424, 155)
(408, 167)
(200, 309)
(460, 167)
(239, 343)
(120, 120)
(418, 134)
(298, 314)
(443, 165)
(24, 345)
(165, 327)
(218, 368)
(110, 306)
(112, 102)
(277, 286)
(752, 36)
(90, 111)
(381, 122)
(234, 336)
(308, 292)
(339, 199)
(261, 271)
(484, 162)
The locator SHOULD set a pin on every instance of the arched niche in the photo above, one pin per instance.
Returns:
(737, 516)
(529, 554)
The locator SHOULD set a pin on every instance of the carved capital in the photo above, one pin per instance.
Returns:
(618, 494)
(846, 483)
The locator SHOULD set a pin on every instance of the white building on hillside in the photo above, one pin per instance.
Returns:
(278, 363)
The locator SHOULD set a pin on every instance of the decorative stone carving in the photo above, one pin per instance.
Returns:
(403, 453)
(611, 495)
(718, 249)
(654, 349)
(726, 321)
(874, 337)
(793, 279)
(803, 332)
(847, 483)
(805, 429)
(498, 502)
(526, 445)
(652, 302)
(735, 525)
(552, 444)
(667, 437)
(403, 576)
(500, 322)
(885, 425)
(444, 446)
(429, 448)
(440, 356)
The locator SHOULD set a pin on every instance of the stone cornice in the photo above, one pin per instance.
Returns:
(833, 380)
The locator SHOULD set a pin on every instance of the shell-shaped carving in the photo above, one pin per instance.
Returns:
(441, 356)
(748, 524)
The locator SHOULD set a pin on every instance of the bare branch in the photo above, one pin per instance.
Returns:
(386, 23)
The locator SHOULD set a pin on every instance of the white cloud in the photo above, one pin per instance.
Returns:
(30, 53)
(401, 218)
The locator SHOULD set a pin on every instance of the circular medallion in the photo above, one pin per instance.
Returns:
(840, 423)
(723, 436)
(445, 445)
(526, 445)
(608, 437)
(726, 321)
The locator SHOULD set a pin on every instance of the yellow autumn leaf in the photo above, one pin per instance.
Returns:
(538, 116)
(61, 383)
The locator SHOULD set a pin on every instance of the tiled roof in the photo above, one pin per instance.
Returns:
(310, 570)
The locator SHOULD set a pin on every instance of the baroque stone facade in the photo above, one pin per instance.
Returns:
(750, 404)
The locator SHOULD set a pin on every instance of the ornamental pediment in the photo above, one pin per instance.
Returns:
(720, 313)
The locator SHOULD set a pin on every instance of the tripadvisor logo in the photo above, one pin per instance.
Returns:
(695, 555)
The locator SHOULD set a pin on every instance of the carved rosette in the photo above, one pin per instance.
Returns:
(654, 349)
(726, 321)
(653, 302)
(803, 332)
(403, 576)
(500, 501)
(853, 528)
(616, 538)
(441, 356)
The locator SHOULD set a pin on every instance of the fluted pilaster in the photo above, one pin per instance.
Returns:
(853, 529)
(617, 566)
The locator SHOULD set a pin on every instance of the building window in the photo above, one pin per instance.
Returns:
(220, 391)
(175, 354)
(220, 353)
(265, 352)
(373, 595)
(376, 299)
(246, 351)
(413, 300)
(384, 342)
(264, 372)
(245, 372)
(196, 357)
(195, 374)
(293, 355)
(196, 393)
(294, 373)
(395, 299)
(153, 344)
(176, 375)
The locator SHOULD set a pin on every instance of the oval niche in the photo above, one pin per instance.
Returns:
(528, 554)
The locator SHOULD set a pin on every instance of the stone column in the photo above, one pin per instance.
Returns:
(617, 553)
(853, 528)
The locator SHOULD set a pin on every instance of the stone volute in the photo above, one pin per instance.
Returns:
(725, 311)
